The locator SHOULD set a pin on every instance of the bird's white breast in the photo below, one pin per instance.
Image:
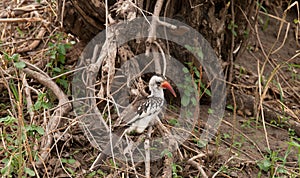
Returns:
(147, 111)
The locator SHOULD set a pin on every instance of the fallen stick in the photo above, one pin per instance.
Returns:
(12, 20)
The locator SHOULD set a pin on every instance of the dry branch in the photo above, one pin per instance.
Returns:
(28, 97)
(35, 43)
(11, 20)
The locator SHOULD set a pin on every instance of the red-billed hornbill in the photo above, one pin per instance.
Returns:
(137, 117)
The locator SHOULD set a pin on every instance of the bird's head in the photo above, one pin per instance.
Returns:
(157, 84)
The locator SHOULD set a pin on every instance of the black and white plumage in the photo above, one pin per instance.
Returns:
(137, 117)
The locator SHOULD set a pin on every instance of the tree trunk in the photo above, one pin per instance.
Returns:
(218, 21)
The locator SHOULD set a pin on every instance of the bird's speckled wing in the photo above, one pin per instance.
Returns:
(140, 109)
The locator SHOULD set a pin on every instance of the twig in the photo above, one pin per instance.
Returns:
(198, 166)
(220, 169)
(234, 117)
(163, 56)
(19, 11)
(28, 97)
(129, 148)
(11, 20)
(156, 59)
(21, 125)
(244, 135)
(152, 35)
(167, 170)
(59, 157)
(230, 76)
(62, 12)
(35, 43)
(147, 153)
(259, 73)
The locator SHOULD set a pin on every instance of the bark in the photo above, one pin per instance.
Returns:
(82, 18)
(211, 18)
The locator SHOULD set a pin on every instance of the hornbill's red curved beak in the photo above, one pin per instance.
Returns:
(167, 85)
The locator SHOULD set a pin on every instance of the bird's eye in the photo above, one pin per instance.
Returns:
(157, 83)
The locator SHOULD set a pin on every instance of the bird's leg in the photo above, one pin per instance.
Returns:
(149, 132)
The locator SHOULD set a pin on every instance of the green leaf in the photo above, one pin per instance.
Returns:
(189, 114)
(49, 64)
(229, 107)
(8, 120)
(264, 165)
(61, 49)
(29, 171)
(187, 79)
(226, 135)
(34, 128)
(197, 73)
(56, 69)
(51, 45)
(37, 105)
(173, 122)
(295, 144)
(185, 70)
(70, 170)
(166, 152)
(63, 160)
(194, 101)
(201, 143)
(187, 93)
(210, 111)
(100, 172)
(185, 100)
(191, 89)
(92, 174)
(20, 65)
(45, 105)
(63, 82)
(295, 65)
(281, 170)
(61, 58)
(71, 161)
(180, 85)
(207, 91)
(200, 53)
(20, 32)
(6, 56)
(41, 103)
(40, 130)
(5, 161)
(14, 89)
(188, 47)
(53, 55)
(15, 57)
(4, 170)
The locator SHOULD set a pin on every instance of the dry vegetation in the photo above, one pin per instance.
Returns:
(41, 136)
